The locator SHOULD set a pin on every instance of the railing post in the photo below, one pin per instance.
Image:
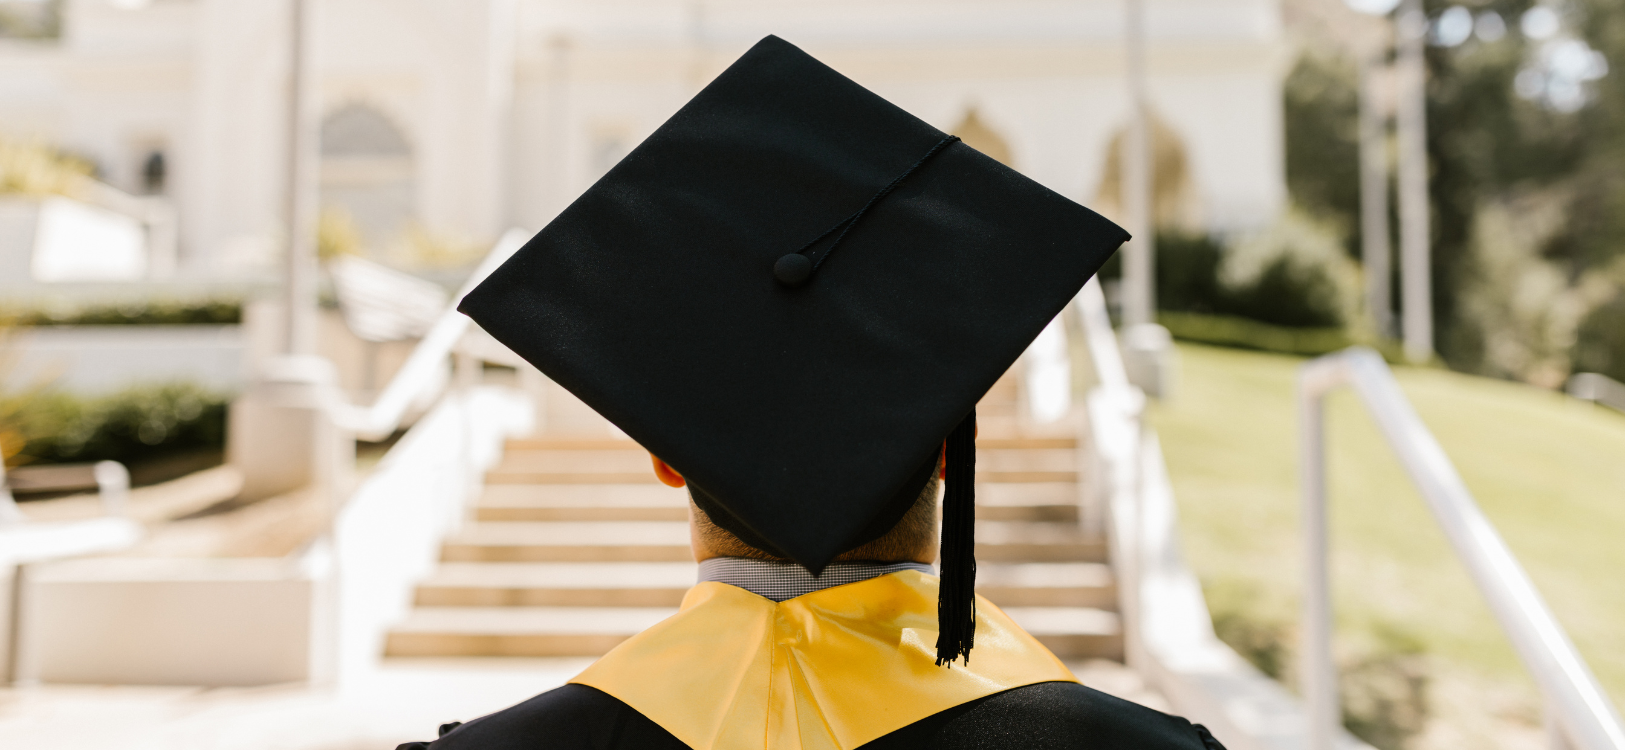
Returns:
(20, 657)
(113, 486)
(1318, 672)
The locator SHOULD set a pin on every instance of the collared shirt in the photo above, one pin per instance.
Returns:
(786, 580)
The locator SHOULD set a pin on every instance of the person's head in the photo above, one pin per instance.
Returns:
(913, 539)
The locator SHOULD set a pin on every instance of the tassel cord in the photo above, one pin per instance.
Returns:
(956, 597)
(844, 226)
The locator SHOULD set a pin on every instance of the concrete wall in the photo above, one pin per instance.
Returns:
(511, 108)
(95, 359)
(98, 359)
(171, 622)
(388, 535)
(309, 617)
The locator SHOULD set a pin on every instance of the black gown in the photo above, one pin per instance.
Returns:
(1045, 716)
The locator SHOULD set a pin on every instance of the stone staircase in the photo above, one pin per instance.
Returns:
(575, 546)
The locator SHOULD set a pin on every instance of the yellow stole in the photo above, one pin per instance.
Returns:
(830, 670)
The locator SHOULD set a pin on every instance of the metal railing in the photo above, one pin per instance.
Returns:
(23, 542)
(423, 369)
(1580, 713)
(1598, 389)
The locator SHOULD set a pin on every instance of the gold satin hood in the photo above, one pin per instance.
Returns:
(829, 670)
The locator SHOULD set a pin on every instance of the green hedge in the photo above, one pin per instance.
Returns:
(191, 312)
(1242, 333)
(137, 423)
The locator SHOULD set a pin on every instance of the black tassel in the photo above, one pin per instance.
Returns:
(956, 596)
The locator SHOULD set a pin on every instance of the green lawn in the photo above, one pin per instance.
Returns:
(1549, 472)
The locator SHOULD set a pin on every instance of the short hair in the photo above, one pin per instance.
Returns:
(914, 535)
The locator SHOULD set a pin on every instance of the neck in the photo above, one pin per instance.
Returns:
(786, 580)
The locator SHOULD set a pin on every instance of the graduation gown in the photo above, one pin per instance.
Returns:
(843, 668)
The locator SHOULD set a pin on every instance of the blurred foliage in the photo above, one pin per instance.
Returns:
(1290, 274)
(47, 426)
(1600, 340)
(1383, 686)
(1528, 194)
(1293, 273)
(1322, 140)
(1242, 333)
(30, 19)
(337, 235)
(430, 249)
(36, 170)
(148, 312)
(1383, 673)
(1287, 289)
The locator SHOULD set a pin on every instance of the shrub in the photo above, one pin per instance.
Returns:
(1294, 273)
(159, 312)
(1382, 670)
(1384, 690)
(1600, 340)
(36, 169)
(137, 423)
(1242, 333)
(1188, 273)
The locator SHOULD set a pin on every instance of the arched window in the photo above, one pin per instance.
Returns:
(1175, 204)
(367, 174)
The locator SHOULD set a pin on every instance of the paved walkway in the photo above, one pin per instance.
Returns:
(405, 700)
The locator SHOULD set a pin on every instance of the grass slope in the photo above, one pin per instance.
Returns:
(1549, 472)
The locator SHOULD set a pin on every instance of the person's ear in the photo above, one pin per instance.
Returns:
(667, 475)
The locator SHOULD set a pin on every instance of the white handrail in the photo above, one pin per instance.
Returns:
(1598, 388)
(1098, 334)
(1581, 711)
(422, 368)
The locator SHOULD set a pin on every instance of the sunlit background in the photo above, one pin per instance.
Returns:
(271, 493)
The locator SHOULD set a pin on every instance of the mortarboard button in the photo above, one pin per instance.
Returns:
(792, 269)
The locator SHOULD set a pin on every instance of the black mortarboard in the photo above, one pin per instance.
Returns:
(792, 292)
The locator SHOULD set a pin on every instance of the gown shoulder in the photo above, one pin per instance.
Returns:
(571, 717)
(1035, 717)
(1049, 715)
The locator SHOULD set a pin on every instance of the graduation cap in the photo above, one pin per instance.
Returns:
(792, 292)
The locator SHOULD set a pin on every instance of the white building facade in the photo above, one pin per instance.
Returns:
(461, 118)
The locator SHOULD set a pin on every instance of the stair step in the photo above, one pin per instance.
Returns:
(612, 584)
(1073, 632)
(1018, 541)
(579, 513)
(637, 494)
(505, 476)
(570, 444)
(574, 546)
(990, 494)
(519, 631)
(1030, 513)
(1047, 585)
(582, 502)
(582, 466)
(999, 461)
(1026, 443)
(631, 541)
(587, 461)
